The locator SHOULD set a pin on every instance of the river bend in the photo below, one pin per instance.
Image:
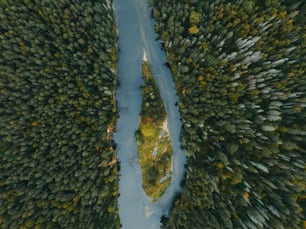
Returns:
(136, 35)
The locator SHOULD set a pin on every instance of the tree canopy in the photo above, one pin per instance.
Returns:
(239, 69)
(57, 80)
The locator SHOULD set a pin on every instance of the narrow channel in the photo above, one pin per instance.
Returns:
(136, 35)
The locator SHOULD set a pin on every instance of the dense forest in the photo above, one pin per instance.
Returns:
(57, 111)
(239, 69)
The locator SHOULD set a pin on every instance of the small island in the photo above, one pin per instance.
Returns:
(152, 137)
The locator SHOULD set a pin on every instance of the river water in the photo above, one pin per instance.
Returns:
(136, 35)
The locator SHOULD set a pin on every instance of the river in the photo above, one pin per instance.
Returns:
(136, 35)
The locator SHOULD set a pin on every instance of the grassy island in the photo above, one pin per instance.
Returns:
(153, 142)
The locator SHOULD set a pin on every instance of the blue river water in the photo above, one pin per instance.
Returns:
(136, 35)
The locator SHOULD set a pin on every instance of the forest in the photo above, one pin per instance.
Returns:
(58, 167)
(239, 69)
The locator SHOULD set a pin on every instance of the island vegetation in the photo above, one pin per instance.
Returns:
(239, 69)
(58, 168)
(152, 138)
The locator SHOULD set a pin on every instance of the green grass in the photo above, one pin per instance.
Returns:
(153, 142)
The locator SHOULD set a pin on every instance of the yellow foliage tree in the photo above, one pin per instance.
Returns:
(147, 130)
(193, 29)
(194, 17)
